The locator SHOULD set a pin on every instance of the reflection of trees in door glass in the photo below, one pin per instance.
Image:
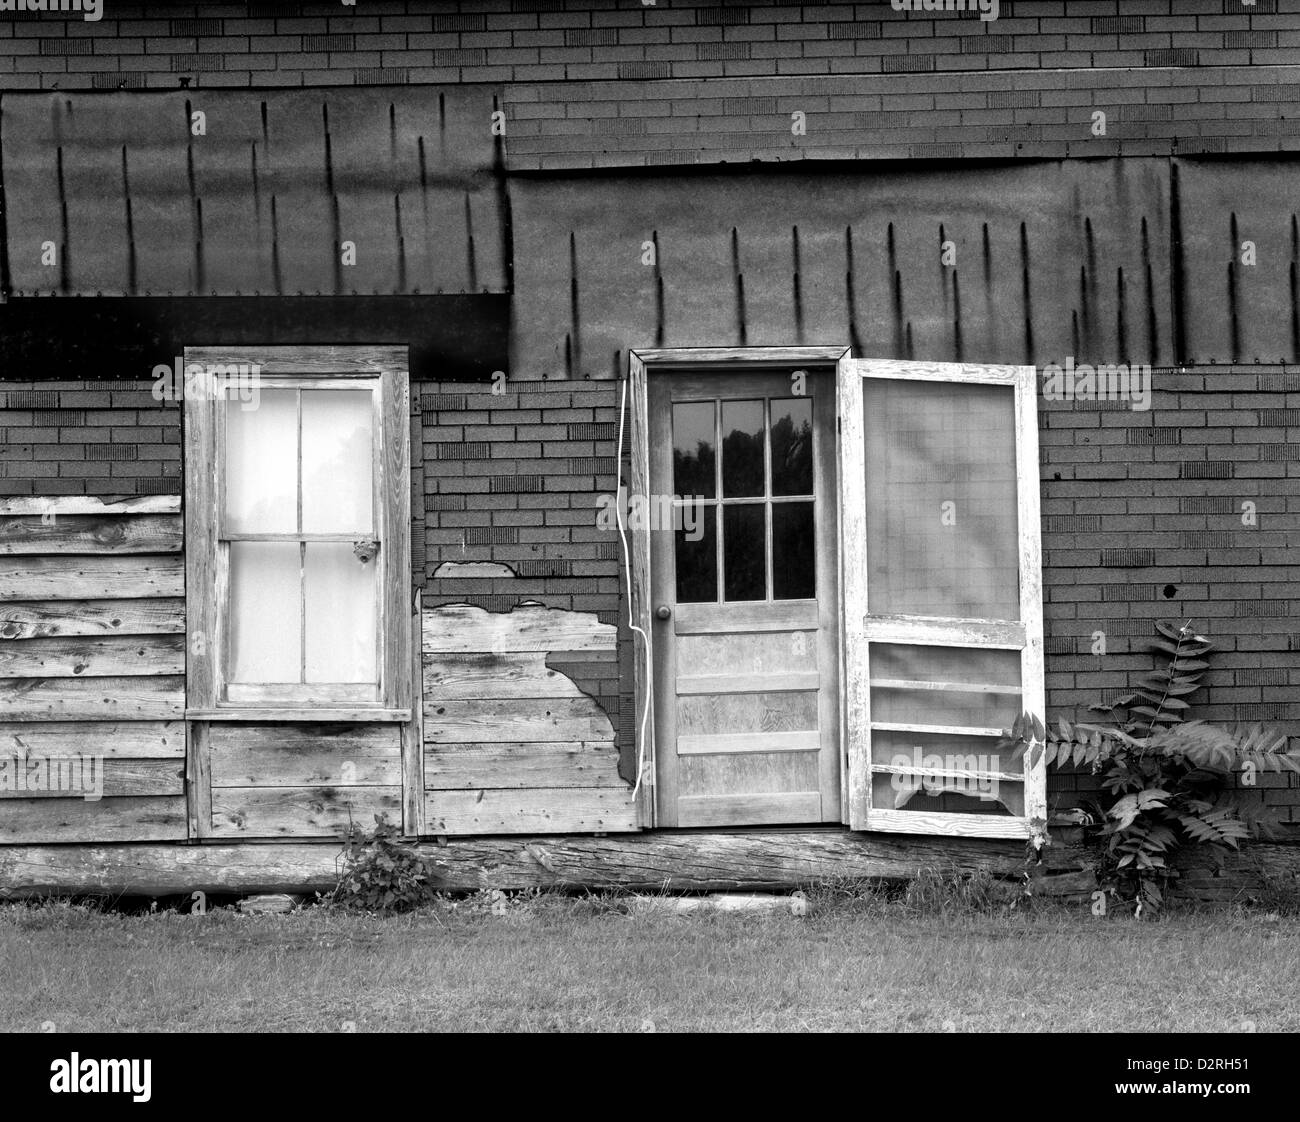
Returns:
(792, 463)
(693, 448)
(696, 561)
(794, 567)
(742, 449)
(743, 553)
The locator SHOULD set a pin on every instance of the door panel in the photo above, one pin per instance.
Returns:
(743, 565)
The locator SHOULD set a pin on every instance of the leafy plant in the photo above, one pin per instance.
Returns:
(382, 873)
(1169, 778)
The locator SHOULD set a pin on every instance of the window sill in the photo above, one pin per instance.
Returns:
(313, 713)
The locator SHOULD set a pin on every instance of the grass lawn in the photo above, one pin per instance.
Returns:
(551, 963)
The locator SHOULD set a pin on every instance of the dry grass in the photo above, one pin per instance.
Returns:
(551, 963)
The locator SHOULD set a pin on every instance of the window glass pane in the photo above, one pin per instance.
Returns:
(265, 612)
(696, 560)
(742, 448)
(941, 499)
(792, 444)
(337, 461)
(261, 470)
(794, 568)
(342, 629)
(743, 552)
(693, 449)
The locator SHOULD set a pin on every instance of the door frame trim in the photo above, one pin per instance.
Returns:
(641, 363)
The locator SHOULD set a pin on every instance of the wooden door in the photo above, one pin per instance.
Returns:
(741, 516)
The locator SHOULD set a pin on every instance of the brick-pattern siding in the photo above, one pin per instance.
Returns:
(1187, 511)
(601, 83)
(88, 438)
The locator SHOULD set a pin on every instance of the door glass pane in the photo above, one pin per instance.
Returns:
(341, 597)
(337, 461)
(794, 567)
(693, 449)
(743, 552)
(792, 463)
(742, 448)
(261, 477)
(941, 499)
(695, 551)
(265, 612)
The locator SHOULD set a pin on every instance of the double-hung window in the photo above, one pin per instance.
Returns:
(297, 495)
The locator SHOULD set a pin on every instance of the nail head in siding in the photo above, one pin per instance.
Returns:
(112, 452)
(188, 27)
(1207, 504)
(906, 64)
(714, 17)
(723, 52)
(197, 64)
(1128, 558)
(1127, 592)
(444, 502)
(66, 47)
(380, 76)
(459, 450)
(1279, 453)
(1261, 609)
(460, 56)
(866, 29)
(1073, 523)
(492, 535)
(1152, 435)
(432, 402)
(1171, 56)
(1207, 469)
(591, 37)
(1279, 418)
(460, 23)
(515, 484)
(643, 71)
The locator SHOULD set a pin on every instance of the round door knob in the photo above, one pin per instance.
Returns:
(663, 611)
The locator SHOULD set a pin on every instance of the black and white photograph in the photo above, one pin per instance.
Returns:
(650, 516)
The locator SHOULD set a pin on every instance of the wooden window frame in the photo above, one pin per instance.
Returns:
(641, 364)
(1025, 636)
(205, 571)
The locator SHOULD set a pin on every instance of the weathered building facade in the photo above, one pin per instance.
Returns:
(580, 421)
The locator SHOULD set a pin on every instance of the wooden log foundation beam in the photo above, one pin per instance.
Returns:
(678, 861)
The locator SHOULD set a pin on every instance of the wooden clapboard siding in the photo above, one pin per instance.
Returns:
(92, 664)
(305, 755)
(76, 577)
(96, 534)
(300, 812)
(59, 776)
(131, 818)
(93, 657)
(538, 810)
(147, 740)
(510, 744)
(48, 619)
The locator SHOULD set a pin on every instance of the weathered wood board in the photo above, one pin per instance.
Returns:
(296, 812)
(92, 663)
(305, 755)
(512, 745)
